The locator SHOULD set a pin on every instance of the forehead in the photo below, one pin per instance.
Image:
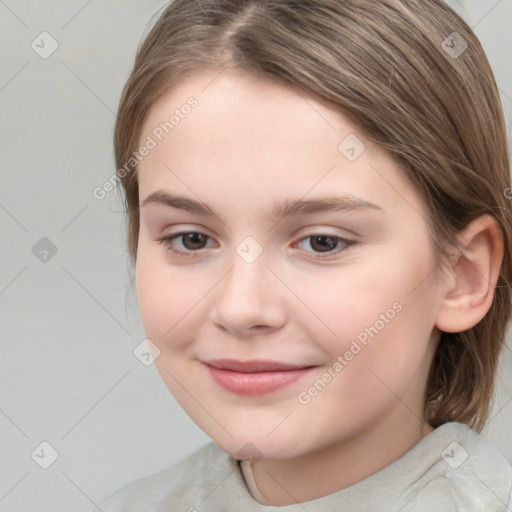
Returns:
(246, 109)
(248, 135)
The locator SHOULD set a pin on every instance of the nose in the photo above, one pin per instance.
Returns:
(249, 299)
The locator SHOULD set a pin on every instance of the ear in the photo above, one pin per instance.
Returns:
(474, 272)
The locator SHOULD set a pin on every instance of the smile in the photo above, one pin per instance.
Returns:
(254, 378)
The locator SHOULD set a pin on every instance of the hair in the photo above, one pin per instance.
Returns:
(386, 65)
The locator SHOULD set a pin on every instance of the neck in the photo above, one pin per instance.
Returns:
(331, 469)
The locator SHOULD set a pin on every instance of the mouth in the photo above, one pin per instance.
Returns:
(256, 377)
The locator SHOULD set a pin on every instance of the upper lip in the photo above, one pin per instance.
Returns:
(253, 366)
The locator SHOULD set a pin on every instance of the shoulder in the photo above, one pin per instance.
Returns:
(469, 475)
(179, 484)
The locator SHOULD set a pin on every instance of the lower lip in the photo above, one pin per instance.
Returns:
(257, 383)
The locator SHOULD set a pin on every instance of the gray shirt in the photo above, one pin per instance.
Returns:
(451, 470)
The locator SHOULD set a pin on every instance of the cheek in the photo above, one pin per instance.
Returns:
(381, 316)
(173, 299)
(163, 295)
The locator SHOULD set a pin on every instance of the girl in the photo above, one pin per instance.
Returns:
(316, 195)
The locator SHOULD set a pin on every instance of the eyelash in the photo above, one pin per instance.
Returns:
(167, 243)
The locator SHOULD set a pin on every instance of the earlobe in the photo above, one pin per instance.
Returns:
(474, 270)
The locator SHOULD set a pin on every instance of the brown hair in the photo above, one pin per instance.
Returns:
(393, 67)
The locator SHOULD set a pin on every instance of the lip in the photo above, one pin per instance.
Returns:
(256, 377)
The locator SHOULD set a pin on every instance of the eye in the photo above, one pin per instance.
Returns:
(185, 243)
(326, 244)
(189, 242)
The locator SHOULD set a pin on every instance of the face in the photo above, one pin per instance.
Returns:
(284, 268)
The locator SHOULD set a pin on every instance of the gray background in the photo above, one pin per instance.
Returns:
(70, 322)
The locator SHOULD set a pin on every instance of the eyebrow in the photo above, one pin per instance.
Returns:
(280, 209)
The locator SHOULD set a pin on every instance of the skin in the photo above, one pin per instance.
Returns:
(249, 143)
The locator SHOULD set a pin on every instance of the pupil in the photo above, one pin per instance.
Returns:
(193, 240)
(325, 243)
